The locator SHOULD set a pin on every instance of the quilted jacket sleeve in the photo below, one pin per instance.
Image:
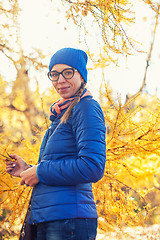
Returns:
(88, 166)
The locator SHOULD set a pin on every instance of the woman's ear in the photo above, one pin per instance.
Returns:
(82, 80)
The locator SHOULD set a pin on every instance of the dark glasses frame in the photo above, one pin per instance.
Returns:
(62, 73)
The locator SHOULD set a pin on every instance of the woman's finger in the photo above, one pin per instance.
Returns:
(10, 165)
(22, 182)
(14, 156)
(10, 169)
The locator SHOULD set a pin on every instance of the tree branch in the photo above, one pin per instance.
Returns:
(147, 61)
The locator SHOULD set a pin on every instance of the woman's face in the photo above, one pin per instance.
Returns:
(66, 87)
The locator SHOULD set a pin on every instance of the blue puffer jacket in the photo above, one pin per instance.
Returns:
(73, 158)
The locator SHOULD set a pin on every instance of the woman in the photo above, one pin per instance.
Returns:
(72, 156)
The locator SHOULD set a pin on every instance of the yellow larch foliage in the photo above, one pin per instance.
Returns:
(132, 175)
(110, 19)
(15, 137)
(131, 178)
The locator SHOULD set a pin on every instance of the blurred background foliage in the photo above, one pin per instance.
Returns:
(128, 194)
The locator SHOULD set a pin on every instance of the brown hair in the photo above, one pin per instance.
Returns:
(66, 115)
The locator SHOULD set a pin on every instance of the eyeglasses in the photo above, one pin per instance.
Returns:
(67, 73)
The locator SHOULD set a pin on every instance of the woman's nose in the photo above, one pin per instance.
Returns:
(61, 79)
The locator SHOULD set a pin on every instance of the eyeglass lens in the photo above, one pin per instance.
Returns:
(66, 73)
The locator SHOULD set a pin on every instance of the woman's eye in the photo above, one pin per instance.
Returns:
(54, 74)
(68, 73)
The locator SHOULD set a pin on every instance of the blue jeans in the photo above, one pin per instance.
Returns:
(69, 229)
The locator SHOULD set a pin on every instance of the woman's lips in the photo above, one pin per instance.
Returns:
(63, 89)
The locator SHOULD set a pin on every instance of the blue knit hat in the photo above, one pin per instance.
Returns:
(72, 57)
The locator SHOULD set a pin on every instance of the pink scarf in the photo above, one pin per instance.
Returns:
(58, 106)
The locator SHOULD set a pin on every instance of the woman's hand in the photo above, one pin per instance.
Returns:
(29, 177)
(17, 166)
